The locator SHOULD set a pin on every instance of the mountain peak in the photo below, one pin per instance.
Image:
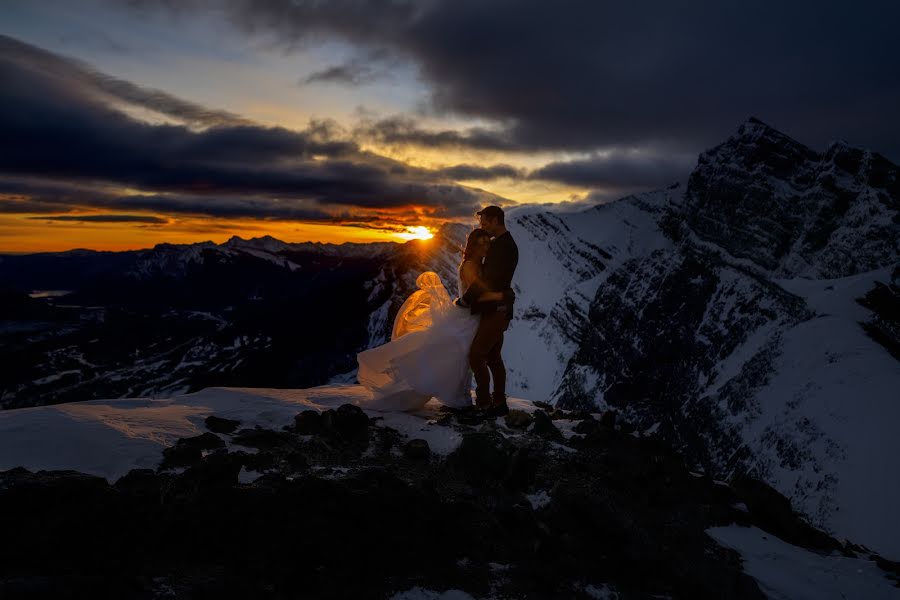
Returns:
(266, 243)
(755, 131)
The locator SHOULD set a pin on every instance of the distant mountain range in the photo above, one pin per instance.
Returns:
(751, 318)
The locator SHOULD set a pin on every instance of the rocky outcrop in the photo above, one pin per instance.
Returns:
(324, 516)
(769, 199)
(698, 339)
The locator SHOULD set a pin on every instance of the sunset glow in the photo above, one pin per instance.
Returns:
(416, 233)
(187, 124)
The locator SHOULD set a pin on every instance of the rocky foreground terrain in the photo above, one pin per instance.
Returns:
(544, 503)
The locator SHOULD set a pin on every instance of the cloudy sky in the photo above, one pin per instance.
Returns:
(126, 124)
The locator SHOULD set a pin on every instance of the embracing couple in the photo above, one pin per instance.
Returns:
(437, 344)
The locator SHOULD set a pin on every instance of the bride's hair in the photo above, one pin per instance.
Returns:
(474, 236)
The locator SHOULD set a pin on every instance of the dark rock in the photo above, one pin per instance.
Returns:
(261, 461)
(544, 427)
(518, 419)
(348, 424)
(773, 512)
(270, 481)
(216, 470)
(522, 469)
(263, 439)
(470, 416)
(892, 567)
(586, 426)
(544, 405)
(140, 482)
(417, 449)
(296, 461)
(205, 441)
(309, 422)
(608, 419)
(189, 451)
(350, 416)
(55, 485)
(482, 457)
(221, 425)
(444, 420)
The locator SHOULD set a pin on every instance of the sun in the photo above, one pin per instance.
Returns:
(416, 233)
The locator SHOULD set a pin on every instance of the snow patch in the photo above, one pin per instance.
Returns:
(787, 572)
(108, 438)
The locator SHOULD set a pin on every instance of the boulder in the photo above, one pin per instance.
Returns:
(221, 425)
(417, 449)
(347, 423)
(587, 426)
(608, 419)
(309, 422)
(263, 439)
(518, 419)
(189, 451)
(483, 457)
(544, 427)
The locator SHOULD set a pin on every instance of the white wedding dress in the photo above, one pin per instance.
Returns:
(428, 355)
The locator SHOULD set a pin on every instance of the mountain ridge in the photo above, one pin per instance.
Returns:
(724, 315)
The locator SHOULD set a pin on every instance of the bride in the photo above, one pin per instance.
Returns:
(428, 354)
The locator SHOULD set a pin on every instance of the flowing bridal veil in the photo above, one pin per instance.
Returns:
(427, 355)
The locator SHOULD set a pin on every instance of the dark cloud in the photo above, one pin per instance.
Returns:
(103, 218)
(55, 127)
(74, 74)
(585, 75)
(348, 74)
(404, 130)
(619, 171)
(477, 172)
(357, 71)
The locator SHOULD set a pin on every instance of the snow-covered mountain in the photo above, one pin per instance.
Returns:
(180, 317)
(749, 317)
(737, 319)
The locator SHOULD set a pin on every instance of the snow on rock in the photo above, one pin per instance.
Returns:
(110, 437)
(564, 258)
(786, 572)
(742, 341)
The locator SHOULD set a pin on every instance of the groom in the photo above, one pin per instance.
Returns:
(484, 355)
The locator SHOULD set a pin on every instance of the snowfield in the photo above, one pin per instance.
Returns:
(108, 438)
(786, 572)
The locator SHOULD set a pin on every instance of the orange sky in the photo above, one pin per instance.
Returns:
(21, 234)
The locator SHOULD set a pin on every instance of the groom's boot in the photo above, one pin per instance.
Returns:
(482, 402)
(499, 407)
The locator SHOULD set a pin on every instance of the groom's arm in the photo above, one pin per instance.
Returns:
(479, 291)
(476, 290)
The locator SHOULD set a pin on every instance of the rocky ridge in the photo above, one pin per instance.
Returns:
(541, 504)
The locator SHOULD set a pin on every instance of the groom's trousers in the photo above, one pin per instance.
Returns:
(485, 359)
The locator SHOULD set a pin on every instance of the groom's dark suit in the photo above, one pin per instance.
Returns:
(484, 355)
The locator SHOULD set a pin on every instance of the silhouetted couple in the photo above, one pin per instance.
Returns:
(437, 344)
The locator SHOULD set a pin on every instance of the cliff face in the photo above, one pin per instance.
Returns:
(745, 342)
(793, 212)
